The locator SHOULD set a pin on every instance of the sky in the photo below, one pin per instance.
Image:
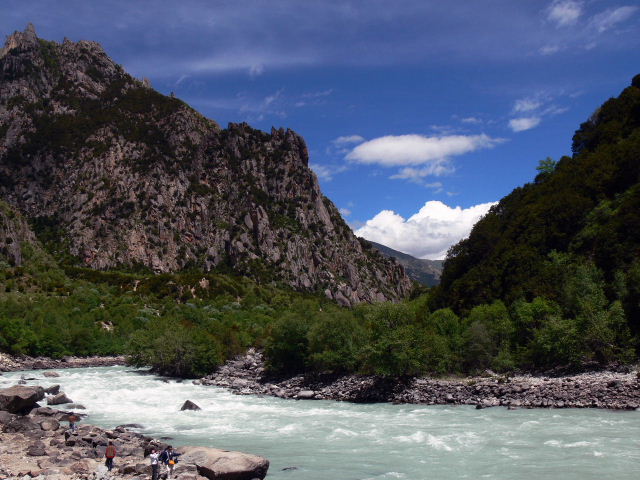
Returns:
(419, 115)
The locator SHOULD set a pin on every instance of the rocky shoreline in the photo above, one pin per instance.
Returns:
(35, 444)
(246, 375)
(11, 363)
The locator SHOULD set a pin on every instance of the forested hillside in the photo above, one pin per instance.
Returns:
(565, 247)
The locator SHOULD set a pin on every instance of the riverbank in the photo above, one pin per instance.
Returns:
(11, 363)
(246, 375)
(36, 443)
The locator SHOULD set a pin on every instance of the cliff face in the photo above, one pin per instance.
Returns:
(131, 177)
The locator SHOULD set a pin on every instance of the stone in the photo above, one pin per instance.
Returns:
(189, 405)
(59, 399)
(51, 374)
(50, 424)
(20, 398)
(52, 390)
(216, 464)
(306, 395)
(36, 450)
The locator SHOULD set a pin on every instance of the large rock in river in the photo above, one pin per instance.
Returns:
(20, 398)
(216, 464)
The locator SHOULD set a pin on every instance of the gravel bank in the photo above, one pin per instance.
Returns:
(245, 375)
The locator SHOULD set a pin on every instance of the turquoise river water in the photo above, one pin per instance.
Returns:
(327, 440)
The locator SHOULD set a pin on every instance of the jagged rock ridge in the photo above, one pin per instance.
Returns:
(131, 177)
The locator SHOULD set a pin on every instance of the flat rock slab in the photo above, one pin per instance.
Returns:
(216, 464)
(19, 398)
(51, 374)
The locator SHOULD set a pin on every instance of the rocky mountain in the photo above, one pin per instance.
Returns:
(123, 176)
(426, 272)
(15, 232)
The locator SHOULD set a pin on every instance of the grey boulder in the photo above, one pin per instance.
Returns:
(59, 399)
(20, 398)
(216, 464)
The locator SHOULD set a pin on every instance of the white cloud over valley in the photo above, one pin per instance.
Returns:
(524, 123)
(401, 150)
(427, 234)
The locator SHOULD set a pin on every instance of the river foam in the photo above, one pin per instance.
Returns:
(333, 440)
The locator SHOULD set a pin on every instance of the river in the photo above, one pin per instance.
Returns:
(326, 440)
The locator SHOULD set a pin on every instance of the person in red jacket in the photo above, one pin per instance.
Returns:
(110, 454)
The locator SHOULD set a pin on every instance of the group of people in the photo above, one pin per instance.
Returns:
(168, 457)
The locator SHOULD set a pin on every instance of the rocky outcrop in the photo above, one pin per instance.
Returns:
(126, 176)
(215, 464)
(245, 375)
(19, 398)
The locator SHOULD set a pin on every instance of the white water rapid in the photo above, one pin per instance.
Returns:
(327, 440)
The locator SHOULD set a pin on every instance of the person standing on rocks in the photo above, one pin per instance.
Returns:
(110, 454)
(154, 464)
(169, 458)
(73, 420)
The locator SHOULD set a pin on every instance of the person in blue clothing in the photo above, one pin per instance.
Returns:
(169, 458)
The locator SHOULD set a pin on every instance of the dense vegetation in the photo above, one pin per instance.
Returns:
(549, 278)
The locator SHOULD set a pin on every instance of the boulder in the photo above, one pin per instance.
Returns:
(59, 399)
(52, 390)
(216, 464)
(36, 449)
(306, 395)
(51, 374)
(20, 398)
(189, 405)
(49, 425)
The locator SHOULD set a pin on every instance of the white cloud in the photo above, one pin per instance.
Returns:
(427, 234)
(345, 212)
(607, 19)
(327, 172)
(564, 12)
(524, 123)
(526, 105)
(391, 151)
(348, 139)
(417, 175)
(472, 120)
(549, 49)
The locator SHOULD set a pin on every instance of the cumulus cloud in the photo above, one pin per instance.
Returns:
(426, 234)
(523, 123)
(405, 150)
(609, 18)
(564, 12)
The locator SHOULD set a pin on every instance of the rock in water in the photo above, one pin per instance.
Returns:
(52, 390)
(189, 405)
(19, 398)
(216, 464)
(51, 374)
(59, 399)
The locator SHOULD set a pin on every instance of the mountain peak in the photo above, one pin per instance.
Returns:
(128, 177)
(25, 39)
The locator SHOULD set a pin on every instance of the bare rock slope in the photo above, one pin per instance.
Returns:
(128, 176)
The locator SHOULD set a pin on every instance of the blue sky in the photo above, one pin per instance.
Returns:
(418, 114)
